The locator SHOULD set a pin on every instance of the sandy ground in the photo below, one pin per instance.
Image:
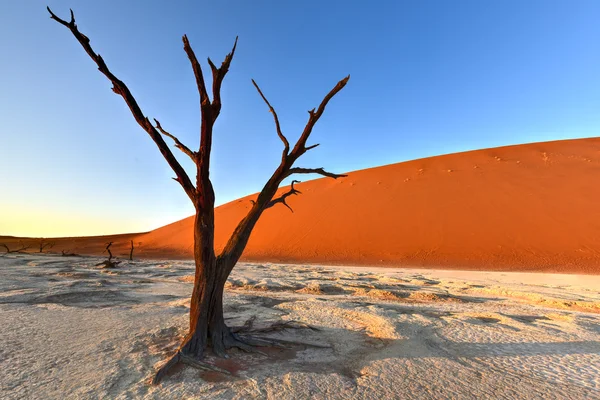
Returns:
(529, 207)
(71, 330)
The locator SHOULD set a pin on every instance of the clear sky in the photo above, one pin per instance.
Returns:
(427, 78)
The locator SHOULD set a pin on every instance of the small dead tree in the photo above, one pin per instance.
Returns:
(44, 244)
(131, 252)
(108, 263)
(110, 256)
(21, 249)
(65, 253)
(207, 328)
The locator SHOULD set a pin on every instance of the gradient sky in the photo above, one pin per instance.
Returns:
(427, 78)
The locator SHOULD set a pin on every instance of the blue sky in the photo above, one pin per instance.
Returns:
(427, 78)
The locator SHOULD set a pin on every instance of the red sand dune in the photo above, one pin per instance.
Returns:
(524, 207)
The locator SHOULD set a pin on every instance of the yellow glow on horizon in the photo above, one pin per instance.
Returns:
(38, 223)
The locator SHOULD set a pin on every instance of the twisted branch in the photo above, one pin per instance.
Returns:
(281, 199)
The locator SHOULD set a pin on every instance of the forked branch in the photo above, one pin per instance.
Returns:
(209, 113)
(219, 75)
(238, 240)
(121, 89)
(281, 199)
(300, 147)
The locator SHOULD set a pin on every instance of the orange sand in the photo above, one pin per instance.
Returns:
(533, 207)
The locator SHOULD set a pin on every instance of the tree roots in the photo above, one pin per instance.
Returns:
(275, 327)
(236, 337)
(188, 360)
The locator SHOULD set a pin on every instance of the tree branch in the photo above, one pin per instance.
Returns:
(281, 199)
(209, 113)
(121, 89)
(276, 118)
(204, 99)
(237, 242)
(219, 75)
(319, 171)
(178, 144)
(300, 147)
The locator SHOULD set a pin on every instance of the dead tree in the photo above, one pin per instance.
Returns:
(207, 327)
(43, 245)
(131, 252)
(108, 263)
(110, 256)
(19, 250)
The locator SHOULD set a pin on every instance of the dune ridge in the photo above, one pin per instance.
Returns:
(529, 207)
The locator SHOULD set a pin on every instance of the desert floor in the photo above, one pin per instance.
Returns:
(72, 330)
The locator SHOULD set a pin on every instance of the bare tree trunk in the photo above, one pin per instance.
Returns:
(205, 285)
(131, 252)
(44, 244)
(110, 256)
